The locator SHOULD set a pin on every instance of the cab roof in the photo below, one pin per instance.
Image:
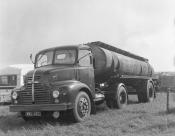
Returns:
(65, 46)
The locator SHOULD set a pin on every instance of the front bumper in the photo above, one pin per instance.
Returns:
(41, 107)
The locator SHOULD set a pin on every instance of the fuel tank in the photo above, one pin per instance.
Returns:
(110, 60)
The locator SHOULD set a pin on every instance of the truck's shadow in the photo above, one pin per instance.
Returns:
(12, 121)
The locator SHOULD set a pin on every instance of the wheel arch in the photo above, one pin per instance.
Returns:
(76, 87)
(86, 90)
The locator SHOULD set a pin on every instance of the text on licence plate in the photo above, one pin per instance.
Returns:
(30, 114)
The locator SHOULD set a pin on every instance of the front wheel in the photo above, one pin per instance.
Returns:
(82, 107)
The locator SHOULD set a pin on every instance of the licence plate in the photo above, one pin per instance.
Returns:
(31, 114)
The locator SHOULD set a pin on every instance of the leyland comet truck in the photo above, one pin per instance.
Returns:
(76, 78)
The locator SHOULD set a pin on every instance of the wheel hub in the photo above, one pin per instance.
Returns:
(122, 98)
(83, 106)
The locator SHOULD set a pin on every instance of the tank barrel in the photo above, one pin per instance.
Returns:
(110, 60)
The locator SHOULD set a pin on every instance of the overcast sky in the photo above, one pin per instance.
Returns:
(144, 27)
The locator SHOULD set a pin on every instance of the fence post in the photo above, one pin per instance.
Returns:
(168, 97)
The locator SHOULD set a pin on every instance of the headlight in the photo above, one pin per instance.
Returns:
(55, 94)
(14, 95)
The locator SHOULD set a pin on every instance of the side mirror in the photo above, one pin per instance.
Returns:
(31, 58)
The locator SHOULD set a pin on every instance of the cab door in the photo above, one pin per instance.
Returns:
(85, 68)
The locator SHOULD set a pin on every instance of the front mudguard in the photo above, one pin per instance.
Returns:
(71, 88)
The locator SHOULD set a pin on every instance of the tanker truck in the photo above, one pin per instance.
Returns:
(73, 79)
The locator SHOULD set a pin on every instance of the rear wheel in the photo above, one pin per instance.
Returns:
(146, 93)
(150, 91)
(82, 107)
(119, 100)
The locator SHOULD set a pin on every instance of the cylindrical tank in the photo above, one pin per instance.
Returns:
(108, 63)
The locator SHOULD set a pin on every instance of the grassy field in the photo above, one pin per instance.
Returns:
(140, 119)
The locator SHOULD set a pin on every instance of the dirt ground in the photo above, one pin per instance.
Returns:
(137, 119)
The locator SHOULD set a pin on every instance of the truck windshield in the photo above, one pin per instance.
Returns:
(44, 58)
(62, 56)
(8, 80)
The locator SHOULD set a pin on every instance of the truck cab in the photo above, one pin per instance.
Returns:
(63, 76)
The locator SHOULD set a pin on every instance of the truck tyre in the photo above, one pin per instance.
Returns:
(119, 100)
(82, 107)
(147, 93)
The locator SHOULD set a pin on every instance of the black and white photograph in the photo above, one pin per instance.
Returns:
(87, 67)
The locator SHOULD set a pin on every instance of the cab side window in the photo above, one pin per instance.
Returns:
(84, 58)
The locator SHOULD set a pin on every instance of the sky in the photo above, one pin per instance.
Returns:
(143, 27)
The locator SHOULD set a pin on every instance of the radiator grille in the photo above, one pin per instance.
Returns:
(41, 93)
(29, 79)
(37, 77)
(26, 95)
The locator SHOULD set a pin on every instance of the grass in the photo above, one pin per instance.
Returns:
(140, 119)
